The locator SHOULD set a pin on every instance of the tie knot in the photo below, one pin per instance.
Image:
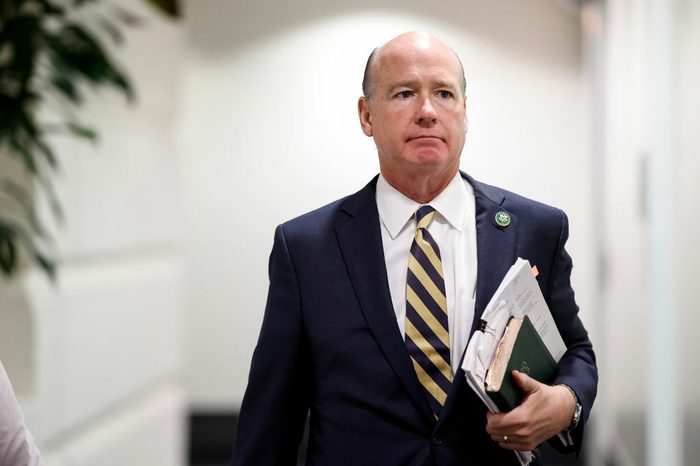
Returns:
(424, 215)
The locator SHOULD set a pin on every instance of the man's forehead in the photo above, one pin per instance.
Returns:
(412, 52)
(418, 58)
(414, 41)
(412, 64)
(421, 48)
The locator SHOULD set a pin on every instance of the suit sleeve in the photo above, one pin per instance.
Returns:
(276, 400)
(577, 367)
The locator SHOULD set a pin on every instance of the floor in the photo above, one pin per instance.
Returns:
(212, 434)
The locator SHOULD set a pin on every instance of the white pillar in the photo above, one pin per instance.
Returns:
(664, 437)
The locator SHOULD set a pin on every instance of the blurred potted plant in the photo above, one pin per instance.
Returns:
(49, 51)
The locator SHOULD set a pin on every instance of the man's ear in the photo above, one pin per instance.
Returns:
(466, 119)
(365, 117)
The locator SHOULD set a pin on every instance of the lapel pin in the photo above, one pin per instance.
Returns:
(502, 219)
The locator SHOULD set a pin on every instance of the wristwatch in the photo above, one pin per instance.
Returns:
(577, 416)
(577, 410)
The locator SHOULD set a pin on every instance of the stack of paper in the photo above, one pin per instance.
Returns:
(517, 295)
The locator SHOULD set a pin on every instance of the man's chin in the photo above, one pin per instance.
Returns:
(430, 160)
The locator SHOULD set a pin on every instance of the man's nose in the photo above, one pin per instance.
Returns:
(426, 113)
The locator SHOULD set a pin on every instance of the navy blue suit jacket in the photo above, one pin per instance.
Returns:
(330, 343)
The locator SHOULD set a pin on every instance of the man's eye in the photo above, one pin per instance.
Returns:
(445, 94)
(404, 94)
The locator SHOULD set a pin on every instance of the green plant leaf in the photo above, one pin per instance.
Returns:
(120, 80)
(112, 30)
(79, 3)
(169, 7)
(46, 150)
(10, 111)
(82, 131)
(32, 138)
(52, 198)
(8, 250)
(25, 153)
(11, 236)
(66, 88)
(47, 264)
(77, 52)
(26, 203)
(50, 8)
(21, 33)
(126, 17)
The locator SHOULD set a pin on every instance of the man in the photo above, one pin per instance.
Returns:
(373, 298)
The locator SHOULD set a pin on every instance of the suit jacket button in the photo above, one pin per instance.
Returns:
(437, 441)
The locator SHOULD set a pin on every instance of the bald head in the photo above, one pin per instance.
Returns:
(405, 43)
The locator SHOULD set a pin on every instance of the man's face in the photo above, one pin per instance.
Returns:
(416, 113)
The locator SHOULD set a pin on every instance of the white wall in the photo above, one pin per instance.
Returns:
(688, 232)
(651, 165)
(97, 358)
(269, 131)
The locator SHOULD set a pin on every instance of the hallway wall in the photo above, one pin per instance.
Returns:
(269, 130)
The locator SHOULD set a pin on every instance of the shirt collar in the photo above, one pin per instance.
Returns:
(395, 209)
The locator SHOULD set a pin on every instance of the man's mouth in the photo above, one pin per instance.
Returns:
(424, 137)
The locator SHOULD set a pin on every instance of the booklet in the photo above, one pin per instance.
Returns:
(518, 295)
(521, 349)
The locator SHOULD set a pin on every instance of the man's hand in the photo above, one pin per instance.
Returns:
(545, 411)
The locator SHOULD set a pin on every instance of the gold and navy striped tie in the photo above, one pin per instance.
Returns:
(427, 337)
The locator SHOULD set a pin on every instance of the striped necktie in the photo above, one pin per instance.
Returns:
(427, 337)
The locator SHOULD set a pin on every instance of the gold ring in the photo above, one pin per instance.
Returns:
(505, 439)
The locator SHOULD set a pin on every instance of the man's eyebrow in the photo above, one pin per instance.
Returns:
(407, 83)
(447, 84)
(413, 83)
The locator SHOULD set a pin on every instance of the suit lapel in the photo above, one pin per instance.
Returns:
(360, 242)
(495, 245)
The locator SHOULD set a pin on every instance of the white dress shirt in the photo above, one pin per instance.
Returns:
(16, 443)
(454, 231)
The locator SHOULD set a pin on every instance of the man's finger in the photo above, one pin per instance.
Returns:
(525, 382)
(513, 443)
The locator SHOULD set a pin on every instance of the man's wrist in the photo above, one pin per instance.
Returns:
(576, 416)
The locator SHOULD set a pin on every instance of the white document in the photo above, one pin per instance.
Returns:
(517, 295)
(522, 297)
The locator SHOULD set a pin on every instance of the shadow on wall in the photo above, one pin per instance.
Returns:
(222, 26)
(17, 332)
(17, 336)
